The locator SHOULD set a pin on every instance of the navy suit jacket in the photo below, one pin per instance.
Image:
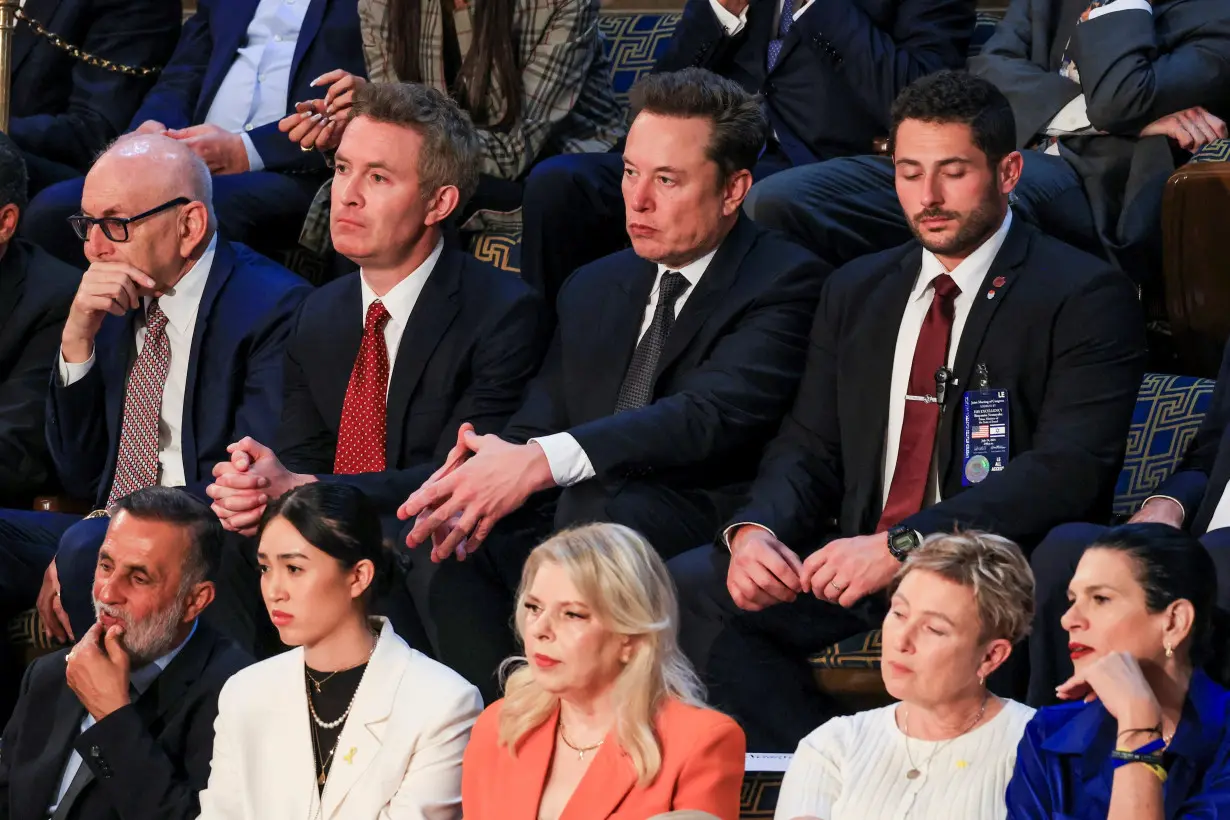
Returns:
(724, 379)
(67, 111)
(1064, 335)
(234, 377)
(212, 37)
(841, 65)
(474, 339)
(36, 290)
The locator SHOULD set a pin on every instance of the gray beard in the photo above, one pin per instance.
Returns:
(147, 640)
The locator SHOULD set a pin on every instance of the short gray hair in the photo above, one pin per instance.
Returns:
(993, 567)
(451, 148)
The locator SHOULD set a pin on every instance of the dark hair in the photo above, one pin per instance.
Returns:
(1171, 565)
(340, 521)
(172, 505)
(451, 149)
(739, 124)
(492, 55)
(960, 97)
(14, 181)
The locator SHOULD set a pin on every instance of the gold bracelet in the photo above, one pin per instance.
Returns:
(1153, 767)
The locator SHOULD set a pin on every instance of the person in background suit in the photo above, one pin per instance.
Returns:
(383, 365)
(35, 292)
(1194, 499)
(1110, 95)
(239, 68)
(66, 110)
(172, 349)
(826, 72)
(121, 725)
(604, 717)
(352, 722)
(671, 367)
(1045, 345)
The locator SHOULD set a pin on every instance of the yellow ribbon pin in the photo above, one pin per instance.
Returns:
(349, 757)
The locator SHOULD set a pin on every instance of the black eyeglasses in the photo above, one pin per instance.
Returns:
(115, 228)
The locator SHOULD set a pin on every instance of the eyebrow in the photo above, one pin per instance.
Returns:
(373, 164)
(940, 615)
(941, 163)
(1092, 588)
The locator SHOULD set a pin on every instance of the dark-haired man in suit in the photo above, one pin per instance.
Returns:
(121, 725)
(671, 366)
(172, 350)
(982, 376)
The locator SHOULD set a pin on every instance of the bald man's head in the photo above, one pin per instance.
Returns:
(140, 173)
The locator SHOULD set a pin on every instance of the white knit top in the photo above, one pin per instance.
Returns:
(854, 768)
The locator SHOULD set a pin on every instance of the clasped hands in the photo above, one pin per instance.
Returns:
(764, 571)
(244, 484)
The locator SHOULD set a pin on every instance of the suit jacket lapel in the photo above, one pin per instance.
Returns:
(171, 687)
(604, 785)
(40, 789)
(1006, 265)
(617, 332)
(219, 272)
(239, 13)
(531, 765)
(722, 272)
(435, 309)
(307, 33)
(339, 352)
(23, 42)
(12, 277)
(363, 734)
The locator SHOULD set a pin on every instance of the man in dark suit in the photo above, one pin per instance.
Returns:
(982, 376)
(1194, 498)
(672, 365)
(827, 73)
(65, 110)
(239, 68)
(121, 726)
(35, 292)
(1111, 95)
(172, 350)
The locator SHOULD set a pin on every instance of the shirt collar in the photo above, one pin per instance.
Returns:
(181, 303)
(692, 271)
(141, 679)
(401, 298)
(970, 272)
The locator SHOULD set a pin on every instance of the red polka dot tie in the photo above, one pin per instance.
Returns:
(136, 465)
(361, 435)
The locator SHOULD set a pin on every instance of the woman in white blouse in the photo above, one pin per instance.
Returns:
(948, 748)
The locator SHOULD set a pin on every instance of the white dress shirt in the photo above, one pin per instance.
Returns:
(1073, 119)
(180, 305)
(968, 275)
(399, 302)
(255, 89)
(140, 680)
(734, 25)
(569, 463)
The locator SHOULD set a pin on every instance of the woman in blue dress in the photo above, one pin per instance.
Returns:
(1145, 734)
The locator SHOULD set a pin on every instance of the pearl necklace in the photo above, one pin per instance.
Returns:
(333, 724)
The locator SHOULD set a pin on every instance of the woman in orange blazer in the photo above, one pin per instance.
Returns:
(604, 717)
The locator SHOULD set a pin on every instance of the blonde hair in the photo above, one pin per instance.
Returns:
(623, 579)
(993, 567)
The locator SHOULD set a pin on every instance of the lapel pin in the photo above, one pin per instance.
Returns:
(999, 281)
(349, 757)
(990, 294)
(961, 764)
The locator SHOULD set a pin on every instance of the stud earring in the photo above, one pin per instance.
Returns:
(1169, 650)
(982, 680)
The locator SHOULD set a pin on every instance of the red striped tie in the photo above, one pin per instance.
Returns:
(361, 434)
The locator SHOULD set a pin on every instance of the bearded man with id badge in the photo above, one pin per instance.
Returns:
(980, 377)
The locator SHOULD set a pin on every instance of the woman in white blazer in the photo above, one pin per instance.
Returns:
(352, 724)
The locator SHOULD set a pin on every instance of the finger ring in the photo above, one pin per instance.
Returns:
(57, 593)
(834, 585)
(303, 149)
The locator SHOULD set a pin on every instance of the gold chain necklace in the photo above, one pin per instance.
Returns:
(914, 773)
(580, 750)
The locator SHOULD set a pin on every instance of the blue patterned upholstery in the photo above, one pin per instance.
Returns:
(634, 41)
(500, 249)
(1218, 151)
(759, 796)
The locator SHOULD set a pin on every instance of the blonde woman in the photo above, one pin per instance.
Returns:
(605, 712)
(959, 605)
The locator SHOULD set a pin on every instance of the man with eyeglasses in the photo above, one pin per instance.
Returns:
(172, 349)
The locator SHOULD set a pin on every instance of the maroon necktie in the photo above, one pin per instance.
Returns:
(361, 434)
(913, 472)
(136, 464)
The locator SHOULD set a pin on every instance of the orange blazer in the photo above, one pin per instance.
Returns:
(702, 768)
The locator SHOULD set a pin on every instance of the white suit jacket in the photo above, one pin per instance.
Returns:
(398, 756)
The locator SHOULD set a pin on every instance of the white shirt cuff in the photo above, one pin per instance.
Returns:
(70, 374)
(808, 4)
(1073, 118)
(1122, 5)
(730, 531)
(1182, 509)
(255, 163)
(730, 22)
(568, 462)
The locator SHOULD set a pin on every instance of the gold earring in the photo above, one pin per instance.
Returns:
(982, 680)
(1169, 650)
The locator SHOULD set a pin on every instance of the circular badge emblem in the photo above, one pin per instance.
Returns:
(977, 469)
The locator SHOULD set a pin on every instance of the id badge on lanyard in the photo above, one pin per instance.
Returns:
(986, 434)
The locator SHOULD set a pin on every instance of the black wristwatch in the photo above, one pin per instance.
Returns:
(902, 541)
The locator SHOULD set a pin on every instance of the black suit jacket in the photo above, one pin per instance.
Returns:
(474, 339)
(841, 65)
(1135, 68)
(149, 759)
(725, 377)
(234, 377)
(1064, 335)
(1201, 479)
(36, 290)
(66, 110)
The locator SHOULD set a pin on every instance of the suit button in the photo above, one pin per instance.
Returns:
(95, 751)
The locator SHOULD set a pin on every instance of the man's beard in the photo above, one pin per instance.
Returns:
(149, 639)
(972, 232)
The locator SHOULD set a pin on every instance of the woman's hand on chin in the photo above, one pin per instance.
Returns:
(1117, 681)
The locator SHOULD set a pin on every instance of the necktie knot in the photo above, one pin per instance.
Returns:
(672, 287)
(155, 319)
(945, 287)
(377, 317)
